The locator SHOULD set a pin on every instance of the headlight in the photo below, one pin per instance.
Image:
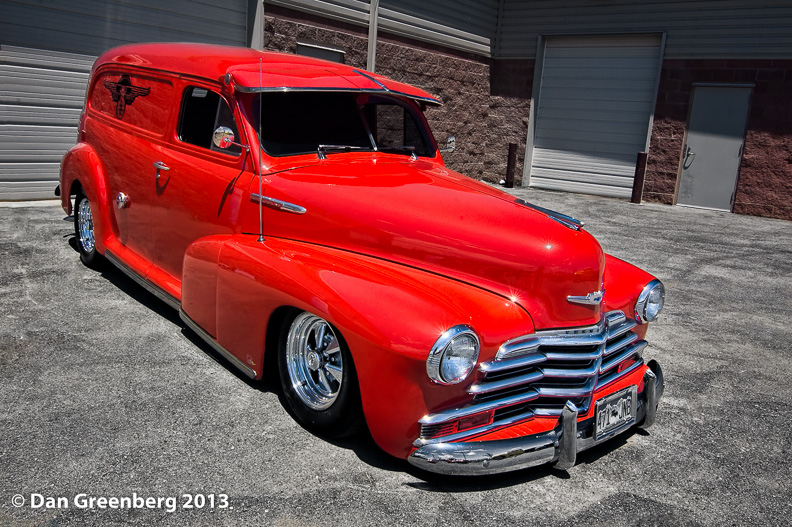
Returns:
(650, 302)
(453, 356)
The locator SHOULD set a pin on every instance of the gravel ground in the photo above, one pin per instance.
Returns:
(106, 393)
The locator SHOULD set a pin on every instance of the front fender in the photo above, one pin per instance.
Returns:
(390, 316)
(623, 283)
(82, 165)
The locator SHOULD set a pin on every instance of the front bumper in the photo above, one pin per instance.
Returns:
(559, 446)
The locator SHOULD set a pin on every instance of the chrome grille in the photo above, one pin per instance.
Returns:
(537, 374)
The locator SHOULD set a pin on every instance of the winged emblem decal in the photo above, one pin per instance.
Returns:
(124, 93)
(591, 299)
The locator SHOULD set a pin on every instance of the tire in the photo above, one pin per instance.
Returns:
(318, 377)
(84, 230)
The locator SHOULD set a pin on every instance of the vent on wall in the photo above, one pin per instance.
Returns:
(320, 51)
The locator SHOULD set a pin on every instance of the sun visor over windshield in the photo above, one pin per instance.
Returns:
(299, 77)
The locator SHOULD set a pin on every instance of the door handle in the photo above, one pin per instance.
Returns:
(689, 155)
(159, 165)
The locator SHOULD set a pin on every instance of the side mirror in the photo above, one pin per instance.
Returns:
(223, 137)
(450, 145)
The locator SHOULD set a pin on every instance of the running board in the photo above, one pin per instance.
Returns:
(145, 284)
(206, 337)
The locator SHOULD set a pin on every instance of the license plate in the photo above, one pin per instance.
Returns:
(615, 412)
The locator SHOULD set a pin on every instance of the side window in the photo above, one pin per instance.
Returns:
(394, 127)
(202, 112)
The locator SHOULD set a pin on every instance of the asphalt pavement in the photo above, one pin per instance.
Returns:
(105, 394)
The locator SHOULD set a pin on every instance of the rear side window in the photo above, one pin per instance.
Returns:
(202, 112)
(141, 101)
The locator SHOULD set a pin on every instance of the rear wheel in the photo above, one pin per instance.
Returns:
(318, 377)
(84, 229)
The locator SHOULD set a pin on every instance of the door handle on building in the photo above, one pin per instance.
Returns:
(688, 157)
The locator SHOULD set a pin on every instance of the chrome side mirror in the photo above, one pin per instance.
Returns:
(450, 145)
(223, 137)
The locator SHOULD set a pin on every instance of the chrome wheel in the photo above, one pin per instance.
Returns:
(314, 361)
(85, 228)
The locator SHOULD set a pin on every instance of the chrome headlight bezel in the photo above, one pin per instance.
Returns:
(645, 310)
(444, 347)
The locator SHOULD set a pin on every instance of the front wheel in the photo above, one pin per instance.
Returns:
(318, 377)
(84, 229)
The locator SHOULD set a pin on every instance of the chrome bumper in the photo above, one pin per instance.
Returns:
(559, 446)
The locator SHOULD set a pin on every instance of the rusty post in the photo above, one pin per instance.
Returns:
(510, 165)
(638, 181)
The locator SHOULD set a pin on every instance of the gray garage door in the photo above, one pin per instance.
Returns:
(595, 102)
(46, 52)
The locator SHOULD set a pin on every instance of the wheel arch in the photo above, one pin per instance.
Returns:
(82, 171)
(389, 315)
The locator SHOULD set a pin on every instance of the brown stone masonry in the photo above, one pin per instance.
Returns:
(485, 102)
(764, 185)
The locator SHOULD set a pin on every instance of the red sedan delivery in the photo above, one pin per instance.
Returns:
(299, 215)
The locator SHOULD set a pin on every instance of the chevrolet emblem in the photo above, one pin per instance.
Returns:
(591, 299)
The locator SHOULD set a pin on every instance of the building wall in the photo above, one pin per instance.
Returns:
(485, 102)
(695, 28)
(764, 185)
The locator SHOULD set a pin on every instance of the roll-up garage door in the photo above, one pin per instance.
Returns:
(46, 53)
(596, 99)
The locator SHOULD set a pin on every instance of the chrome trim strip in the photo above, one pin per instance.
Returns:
(520, 362)
(277, 204)
(150, 287)
(457, 413)
(568, 393)
(632, 349)
(206, 337)
(625, 372)
(616, 346)
(567, 221)
(493, 386)
(372, 79)
(618, 330)
(286, 89)
(561, 373)
(475, 431)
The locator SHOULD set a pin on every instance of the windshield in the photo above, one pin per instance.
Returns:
(300, 122)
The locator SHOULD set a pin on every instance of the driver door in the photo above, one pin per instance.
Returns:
(200, 191)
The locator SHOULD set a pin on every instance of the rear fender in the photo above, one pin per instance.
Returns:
(389, 315)
(82, 165)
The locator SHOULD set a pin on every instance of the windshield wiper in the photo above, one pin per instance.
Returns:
(323, 150)
(409, 149)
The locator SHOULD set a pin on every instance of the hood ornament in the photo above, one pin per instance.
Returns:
(591, 299)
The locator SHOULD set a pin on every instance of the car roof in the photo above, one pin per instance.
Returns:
(257, 71)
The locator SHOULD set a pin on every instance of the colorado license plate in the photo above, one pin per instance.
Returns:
(615, 412)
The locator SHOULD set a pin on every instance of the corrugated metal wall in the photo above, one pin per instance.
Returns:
(46, 52)
(467, 25)
(694, 28)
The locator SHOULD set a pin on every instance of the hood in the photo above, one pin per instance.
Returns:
(422, 214)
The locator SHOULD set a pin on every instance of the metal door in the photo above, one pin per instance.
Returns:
(713, 149)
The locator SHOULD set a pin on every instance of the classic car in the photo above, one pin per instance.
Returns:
(299, 215)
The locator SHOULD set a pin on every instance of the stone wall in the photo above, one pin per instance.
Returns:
(485, 102)
(764, 185)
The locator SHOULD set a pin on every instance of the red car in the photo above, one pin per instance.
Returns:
(299, 216)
